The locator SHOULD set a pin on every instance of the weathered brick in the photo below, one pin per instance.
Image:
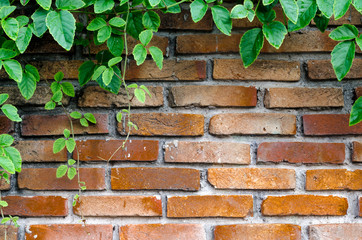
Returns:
(253, 123)
(155, 178)
(6, 126)
(301, 152)
(47, 69)
(351, 17)
(251, 178)
(183, 21)
(358, 91)
(37, 206)
(40, 151)
(45, 179)
(329, 124)
(11, 232)
(274, 70)
(46, 44)
(258, 232)
(94, 96)
(219, 96)
(350, 231)
(112, 206)
(69, 232)
(44, 125)
(162, 232)
(360, 206)
(304, 205)
(102, 150)
(184, 70)
(207, 152)
(323, 70)
(303, 97)
(4, 185)
(357, 152)
(333, 179)
(166, 124)
(210, 206)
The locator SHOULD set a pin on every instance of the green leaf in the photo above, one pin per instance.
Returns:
(27, 85)
(14, 155)
(145, 37)
(340, 7)
(239, 11)
(68, 89)
(61, 171)
(84, 122)
(39, 17)
(175, 7)
(119, 117)
(6, 54)
(140, 54)
(103, 5)
(96, 24)
(342, 58)
(114, 85)
(45, 3)
(114, 61)
(61, 26)
(90, 117)
(33, 71)
(55, 87)
(5, 220)
(66, 133)
(85, 72)
(71, 162)
(275, 33)
(266, 17)
(70, 144)
(135, 25)
(358, 41)
(326, 7)
(10, 27)
(24, 38)
(151, 20)
(290, 8)
(307, 11)
(146, 90)
(356, 112)
(11, 112)
(76, 115)
(6, 140)
(250, 45)
(248, 4)
(4, 3)
(321, 22)
(198, 9)
(357, 5)
(133, 85)
(3, 98)
(115, 45)
(221, 17)
(58, 145)
(267, 2)
(344, 32)
(140, 95)
(157, 56)
(50, 105)
(22, 20)
(72, 172)
(154, 2)
(7, 165)
(117, 22)
(3, 204)
(13, 69)
(107, 76)
(6, 11)
(57, 97)
(69, 4)
(98, 72)
(104, 33)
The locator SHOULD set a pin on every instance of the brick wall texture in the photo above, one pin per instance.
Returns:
(222, 152)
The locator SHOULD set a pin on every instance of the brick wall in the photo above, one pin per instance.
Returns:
(222, 152)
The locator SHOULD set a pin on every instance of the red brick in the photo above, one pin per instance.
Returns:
(48, 69)
(207, 152)
(70, 232)
(329, 124)
(166, 124)
(203, 96)
(258, 232)
(357, 152)
(6, 126)
(251, 178)
(253, 123)
(45, 179)
(333, 179)
(11, 232)
(155, 178)
(44, 125)
(273, 70)
(96, 206)
(301, 152)
(304, 205)
(162, 232)
(237, 206)
(183, 70)
(102, 150)
(37, 206)
(183, 21)
(358, 91)
(322, 70)
(303, 97)
(40, 151)
(94, 96)
(350, 231)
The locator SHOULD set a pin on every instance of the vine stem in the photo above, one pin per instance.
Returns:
(2, 216)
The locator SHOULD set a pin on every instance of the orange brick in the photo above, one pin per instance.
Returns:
(162, 232)
(304, 205)
(184, 70)
(322, 70)
(96, 206)
(258, 232)
(155, 178)
(166, 124)
(6, 126)
(350, 231)
(207, 152)
(37, 206)
(329, 124)
(43, 125)
(333, 179)
(360, 206)
(183, 21)
(94, 96)
(273, 70)
(251, 178)
(11, 232)
(40, 151)
(357, 152)
(45, 179)
(253, 123)
(69, 231)
(237, 206)
(303, 97)
(301, 152)
(102, 150)
(203, 96)
(48, 69)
